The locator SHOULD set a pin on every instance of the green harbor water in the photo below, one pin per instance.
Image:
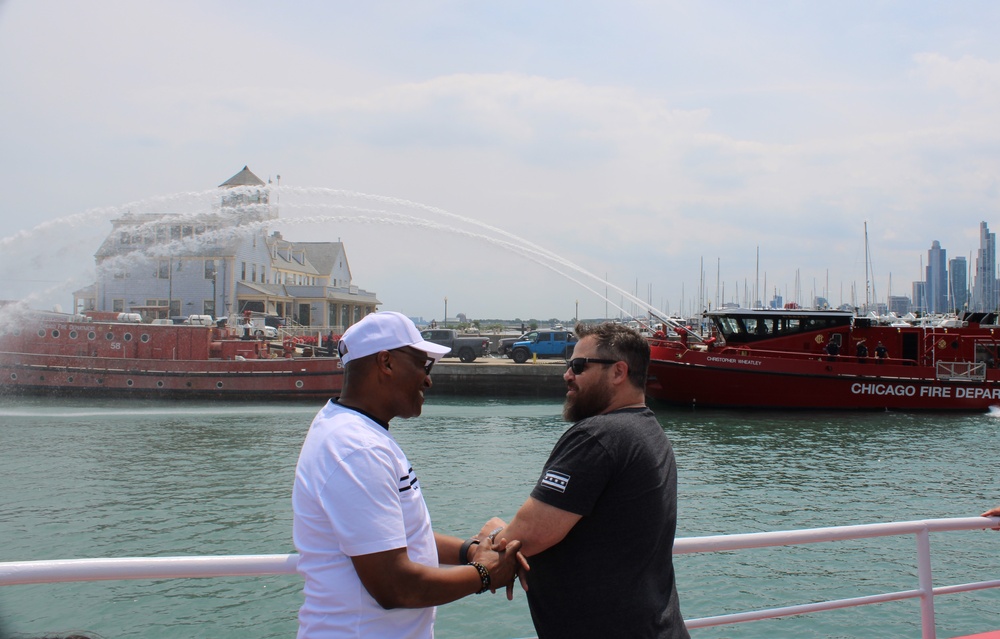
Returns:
(124, 478)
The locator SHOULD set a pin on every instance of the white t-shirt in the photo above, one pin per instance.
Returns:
(355, 493)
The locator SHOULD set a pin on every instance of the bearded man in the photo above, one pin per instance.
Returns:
(598, 528)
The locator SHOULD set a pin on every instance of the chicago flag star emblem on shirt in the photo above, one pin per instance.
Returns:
(555, 481)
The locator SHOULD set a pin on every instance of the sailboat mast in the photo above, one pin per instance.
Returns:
(868, 300)
(756, 281)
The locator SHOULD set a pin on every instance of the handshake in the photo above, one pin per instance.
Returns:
(498, 559)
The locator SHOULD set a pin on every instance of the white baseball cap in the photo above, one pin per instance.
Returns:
(384, 331)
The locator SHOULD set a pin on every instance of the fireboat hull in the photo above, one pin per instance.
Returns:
(743, 379)
(278, 379)
(60, 355)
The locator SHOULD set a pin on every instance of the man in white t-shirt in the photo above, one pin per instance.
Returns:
(370, 559)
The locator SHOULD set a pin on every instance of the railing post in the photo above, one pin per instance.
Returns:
(926, 585)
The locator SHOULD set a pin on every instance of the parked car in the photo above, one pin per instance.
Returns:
(543, 344)
(267, 332)
(505, 344)
(464, 348)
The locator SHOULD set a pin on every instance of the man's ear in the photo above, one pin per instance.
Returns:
(384, 360)
(621, 372)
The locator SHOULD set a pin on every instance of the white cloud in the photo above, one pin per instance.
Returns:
(634, 138)
(970, 77)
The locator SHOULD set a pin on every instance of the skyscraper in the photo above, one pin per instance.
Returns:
(920, 296)
(958, 281)
(984, 290)
(936, 287)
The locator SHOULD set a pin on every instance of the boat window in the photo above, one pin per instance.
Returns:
(55, 334)
(789, 325)
(41, 332)
(144, 338)
(728, 325)
(109, 336)
(128, 337)
(72, 334)
(91, 335)
(986, 354)
(748, 328)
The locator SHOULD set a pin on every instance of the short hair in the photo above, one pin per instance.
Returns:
(621, 343)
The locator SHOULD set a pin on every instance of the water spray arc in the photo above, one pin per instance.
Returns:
(206, 206)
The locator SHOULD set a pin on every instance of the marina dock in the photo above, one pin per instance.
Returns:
(499, 377)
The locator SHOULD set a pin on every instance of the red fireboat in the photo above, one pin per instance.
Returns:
(55, 353)
(831, 360)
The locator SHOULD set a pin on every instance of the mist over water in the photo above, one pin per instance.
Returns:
(42, 266)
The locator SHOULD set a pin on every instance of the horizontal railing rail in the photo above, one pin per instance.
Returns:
(68, 570)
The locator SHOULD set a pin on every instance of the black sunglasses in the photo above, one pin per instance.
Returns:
(579, 364)
(417, 354)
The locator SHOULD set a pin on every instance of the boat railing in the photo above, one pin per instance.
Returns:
(961, 371)
(744, 351)
(69, 570)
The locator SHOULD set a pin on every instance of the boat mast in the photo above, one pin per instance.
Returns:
(718, 275)
(756, 281)
(868, 300)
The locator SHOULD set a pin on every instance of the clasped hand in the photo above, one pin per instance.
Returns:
(502, 558)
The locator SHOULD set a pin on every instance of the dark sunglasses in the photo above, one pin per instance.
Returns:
(579, 364)
(428, 362)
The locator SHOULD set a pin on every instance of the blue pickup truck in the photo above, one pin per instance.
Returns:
(543, 344)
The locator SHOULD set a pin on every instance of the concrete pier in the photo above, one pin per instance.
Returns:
(499, 377)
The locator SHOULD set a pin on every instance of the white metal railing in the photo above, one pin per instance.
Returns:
(925, 590)
(961, 371)
(66, 570)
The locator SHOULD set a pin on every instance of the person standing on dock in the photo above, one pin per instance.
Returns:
(366, 548)
(598, 527)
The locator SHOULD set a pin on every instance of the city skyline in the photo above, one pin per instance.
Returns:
(954, 287)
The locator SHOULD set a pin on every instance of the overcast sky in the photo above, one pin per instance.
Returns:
(631, 140)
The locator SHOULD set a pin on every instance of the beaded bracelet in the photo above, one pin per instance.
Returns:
(463, 553)
(484, 576)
